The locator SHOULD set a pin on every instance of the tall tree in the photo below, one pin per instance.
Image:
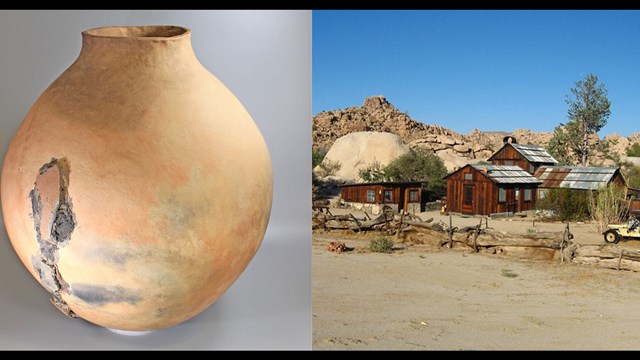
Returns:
(416, 165)
(589, 110)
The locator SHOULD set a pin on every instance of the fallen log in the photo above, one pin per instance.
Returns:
(623, 264)
(606, 252)
(350, 222)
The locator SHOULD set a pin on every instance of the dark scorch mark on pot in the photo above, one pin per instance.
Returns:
(101, 295)
(59, 223)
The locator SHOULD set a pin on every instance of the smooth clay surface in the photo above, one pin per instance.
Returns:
(138, 188)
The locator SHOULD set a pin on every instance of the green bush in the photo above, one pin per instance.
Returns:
(632, 175)
(317, 156)
(373, 172)
(566, 204)
(634, 150)
(381, 245)
(420, 165)
(328, 168)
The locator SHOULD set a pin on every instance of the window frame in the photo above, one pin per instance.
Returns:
(529, 192)
(542, 193)
(371, 192)
(384, 195)
(413, 192)
(502, 194)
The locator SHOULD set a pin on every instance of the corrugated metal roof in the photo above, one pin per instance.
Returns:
(506, 174)
(535, 153)
(575, 177)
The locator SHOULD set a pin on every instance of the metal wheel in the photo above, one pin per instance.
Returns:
(611, 236)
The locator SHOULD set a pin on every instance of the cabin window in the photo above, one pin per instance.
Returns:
(413, 195)
(468, 176)
(508, 162)
(527, 194)
(542, 194)
(371, 196)
(388, 195)
(532, 169)
(502, 195)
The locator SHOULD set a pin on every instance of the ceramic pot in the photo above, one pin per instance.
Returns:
(137, 188)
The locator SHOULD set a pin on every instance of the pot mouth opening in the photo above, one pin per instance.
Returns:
(139, 32)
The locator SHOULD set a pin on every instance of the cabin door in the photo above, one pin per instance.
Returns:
(467, 199)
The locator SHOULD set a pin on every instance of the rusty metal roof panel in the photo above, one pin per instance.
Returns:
(535, 153)
(575, 177)
(506, 174)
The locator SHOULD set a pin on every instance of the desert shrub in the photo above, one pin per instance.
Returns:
(328, 167)
(565, 204)
(632, 175)
(317, 156)
(508, 273)
(634, 150)
(608, 205)
(373, 172)
(381, 244)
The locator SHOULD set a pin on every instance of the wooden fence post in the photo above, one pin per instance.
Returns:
(400, 225)
(357, 222)
(450, 232)
(475, 237)
(620, 259)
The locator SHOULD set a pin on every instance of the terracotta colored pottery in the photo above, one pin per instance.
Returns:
(138, 188)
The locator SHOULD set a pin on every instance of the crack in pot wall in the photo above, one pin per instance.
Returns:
(54, 222)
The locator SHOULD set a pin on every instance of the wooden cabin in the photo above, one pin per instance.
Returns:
(527, 157)
(577, 178)
(372, 196)
(491, 190)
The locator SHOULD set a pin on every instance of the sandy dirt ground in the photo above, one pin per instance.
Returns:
(418, 297)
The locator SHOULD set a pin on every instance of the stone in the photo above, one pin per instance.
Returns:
(462, 148)
(358, 150)
(447, 140)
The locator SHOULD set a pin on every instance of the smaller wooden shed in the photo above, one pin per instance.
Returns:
(577, 178)
(491, 190)
(372, 196)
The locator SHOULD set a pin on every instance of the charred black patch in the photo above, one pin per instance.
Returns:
(101, 294)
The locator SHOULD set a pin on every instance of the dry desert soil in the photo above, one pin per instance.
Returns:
(420, 297)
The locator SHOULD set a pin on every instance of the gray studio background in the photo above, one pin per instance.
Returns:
(264, 58)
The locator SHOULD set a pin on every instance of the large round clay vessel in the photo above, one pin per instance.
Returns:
(137, 188)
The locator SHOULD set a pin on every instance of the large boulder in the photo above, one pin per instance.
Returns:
(452, 159)
(358, 150)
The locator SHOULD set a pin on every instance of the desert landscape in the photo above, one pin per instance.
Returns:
(514, 282)
(463, 202)
(424, 297)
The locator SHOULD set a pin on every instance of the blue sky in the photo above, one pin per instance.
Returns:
(493, 70)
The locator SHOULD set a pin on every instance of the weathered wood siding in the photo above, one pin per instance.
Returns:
(509, 154)
(400, 192)
(485, 194)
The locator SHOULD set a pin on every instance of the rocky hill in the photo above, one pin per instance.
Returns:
(379, 115)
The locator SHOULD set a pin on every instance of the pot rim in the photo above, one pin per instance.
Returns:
(146, 32)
